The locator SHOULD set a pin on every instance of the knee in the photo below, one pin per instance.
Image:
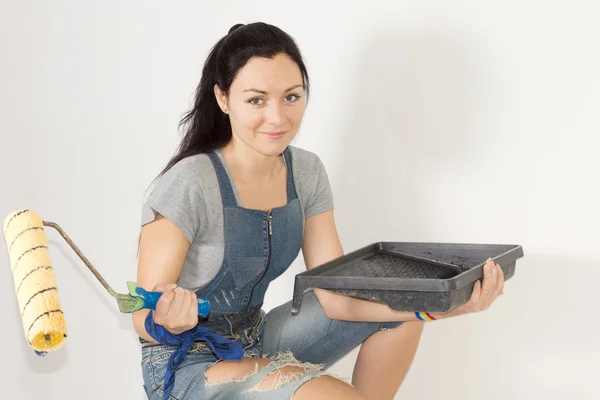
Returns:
(274, 372)
(384, 326)
(407, 329)
(233, 371)
(279, 377)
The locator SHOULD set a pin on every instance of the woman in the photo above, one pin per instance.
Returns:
(228, 215)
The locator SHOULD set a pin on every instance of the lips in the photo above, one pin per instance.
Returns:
(274, 135)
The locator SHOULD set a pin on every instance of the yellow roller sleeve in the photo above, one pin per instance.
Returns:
(35, 284)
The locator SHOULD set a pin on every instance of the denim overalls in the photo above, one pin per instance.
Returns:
(259, 247)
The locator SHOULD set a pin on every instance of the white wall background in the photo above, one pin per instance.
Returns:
(462, 121)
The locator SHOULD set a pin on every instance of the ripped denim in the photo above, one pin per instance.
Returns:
(309, 340)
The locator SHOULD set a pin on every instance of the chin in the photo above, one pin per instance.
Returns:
(272, 150)
(273, 147)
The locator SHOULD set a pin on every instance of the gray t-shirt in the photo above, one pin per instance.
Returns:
(188, 194)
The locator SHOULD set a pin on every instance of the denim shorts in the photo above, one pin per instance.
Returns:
(310, 340)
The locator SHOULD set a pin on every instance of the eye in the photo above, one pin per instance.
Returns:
(255, 101)
(292, 98)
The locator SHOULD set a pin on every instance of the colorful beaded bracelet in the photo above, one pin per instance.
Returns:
(423, 316)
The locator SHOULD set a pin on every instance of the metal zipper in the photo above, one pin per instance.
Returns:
(270, 230)
(270, 219)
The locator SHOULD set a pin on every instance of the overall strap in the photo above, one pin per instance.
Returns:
(291, 188)
(227, 195)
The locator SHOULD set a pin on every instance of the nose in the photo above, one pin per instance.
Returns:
(275, 115)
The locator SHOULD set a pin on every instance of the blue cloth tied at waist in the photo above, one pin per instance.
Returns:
(224, 348)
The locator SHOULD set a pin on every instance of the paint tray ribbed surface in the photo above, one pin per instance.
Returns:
(429, 277)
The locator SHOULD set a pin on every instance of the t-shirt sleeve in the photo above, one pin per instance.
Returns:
(177, 195)
(320, 199)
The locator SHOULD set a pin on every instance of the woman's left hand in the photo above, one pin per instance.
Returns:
(484, 294)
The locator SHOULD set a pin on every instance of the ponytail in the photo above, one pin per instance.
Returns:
(207, 127)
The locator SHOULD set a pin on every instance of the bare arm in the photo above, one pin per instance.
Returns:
(163, 249)
(322, 244)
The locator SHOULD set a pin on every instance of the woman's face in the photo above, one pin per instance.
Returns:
(266, 103)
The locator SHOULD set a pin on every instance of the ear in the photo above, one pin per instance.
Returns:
(221, 98)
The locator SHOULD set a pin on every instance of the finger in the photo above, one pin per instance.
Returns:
(185, 306)
(193, 312)
(476, 295)
(164, 303)
(499, 281)
(489, 285)
(195, 302)
(176, 303)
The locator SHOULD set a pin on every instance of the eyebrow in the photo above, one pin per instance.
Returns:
(263, 92)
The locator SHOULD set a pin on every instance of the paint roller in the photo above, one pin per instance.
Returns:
(36, 288)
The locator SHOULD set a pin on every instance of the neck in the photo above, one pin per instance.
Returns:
(248, 164)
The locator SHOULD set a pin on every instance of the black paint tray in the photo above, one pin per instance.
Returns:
(428, 277)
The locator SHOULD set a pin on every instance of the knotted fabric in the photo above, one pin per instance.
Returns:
(224, 348)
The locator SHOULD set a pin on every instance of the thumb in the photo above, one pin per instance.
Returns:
(163, 287)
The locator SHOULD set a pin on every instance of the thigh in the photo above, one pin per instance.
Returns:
(252, 378)
(311, 336)
(190, 382)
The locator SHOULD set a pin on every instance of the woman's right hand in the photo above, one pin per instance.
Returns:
(176, 309)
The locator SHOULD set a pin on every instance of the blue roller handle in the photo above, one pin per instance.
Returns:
(151, 298)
